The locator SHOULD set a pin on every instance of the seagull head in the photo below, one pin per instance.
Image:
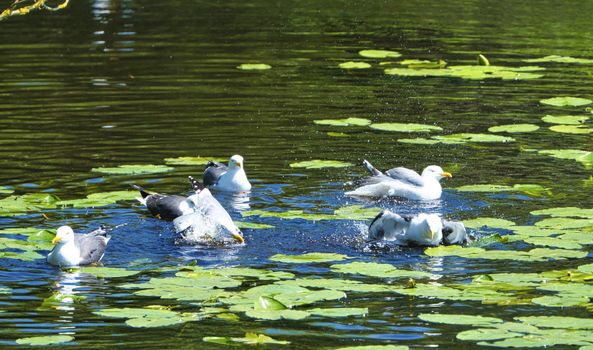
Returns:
(433, 228)
(436, 172)
(236, 161)
(64, 234)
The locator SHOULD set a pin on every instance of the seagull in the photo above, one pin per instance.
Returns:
(199, 217)
(74, 249)
(230, 179)
(402, 182)
(422, 229)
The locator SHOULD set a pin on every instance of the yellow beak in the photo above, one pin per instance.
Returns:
(238, 237)
(56, 240)
(446, 174)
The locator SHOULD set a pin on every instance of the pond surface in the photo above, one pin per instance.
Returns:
(106, 83)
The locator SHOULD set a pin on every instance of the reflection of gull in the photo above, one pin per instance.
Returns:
(73, 249)
(402, 182)
(422, 229)
(231, 178)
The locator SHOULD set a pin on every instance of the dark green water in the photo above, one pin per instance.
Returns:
(110, 83)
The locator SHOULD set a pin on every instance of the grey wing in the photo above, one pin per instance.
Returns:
(212, 208)
(213, 172)
(454, 232)
(406, 175)
(373, 180)
(165, 207)
(92, 247)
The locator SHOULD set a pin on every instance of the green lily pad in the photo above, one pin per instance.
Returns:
(6, 190)
(584, 157)
(250, 338)
(268, 303)
(20, 205)
(377, 270)
(318, 164)
(482, 334)
(375, 347)
(561, 300)
(460, 319)
(289, 214)
(567, 212)
(571, 129)
(26, 255)
(565, 101)
(564, 223)
(418, 141)
(133, 169)
(252, 225)
(556, 242)
(192, 160)
(588, 268)
(254, 66)
(343, 122)
(488, 222)
(417, 64)
(405, 127)
(565, 119)
(261, 274)
(99, 199)
(337, 134)
(379, 54)
(308, 258)
(356, 212)
(108, 272)
(531, 189)
(45, 340)
(514, 128)
(471, 72)
(560, 59)
(339, 284)
(469, 137)
(354, 65)
(339, 312)
(155, 316)
(563, 322)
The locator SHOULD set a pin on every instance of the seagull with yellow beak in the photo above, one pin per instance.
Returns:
(74, 249)
(402, 182)
(231, 178)
(420, 230)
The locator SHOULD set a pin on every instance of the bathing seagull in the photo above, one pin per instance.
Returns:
(230, 179)
(74, 249)
(402, 182)
(164, 206)
(422, 229)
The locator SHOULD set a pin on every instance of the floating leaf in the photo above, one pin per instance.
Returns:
(340, 312)
(535, 190)
(6, 190)
(588, 268)
(192, 160)
(488, 222)
(565, 101)
(339, 284)
(289, 214)
(377, 270)
(564, 223)
(99, 199)
(471, 72)
(337, 134)
(254, 66)
(468, 137)
(375, 347)
(134, 169)
(277, 314)
(483, 61)
(564, 322)
(561, 300)
(354, 65)
(565, 119)
(560, 59)
(459, 319)
(418, 141)
(417, 64)
(405, 127)
(45, 340)
(514, 128)
(252, 225)
(379, 54)
(250, 338)
(318, 164)
(268, 303)
(308, 258)
(108, 272)
(343, 122)
(571, 129)
(356, 212)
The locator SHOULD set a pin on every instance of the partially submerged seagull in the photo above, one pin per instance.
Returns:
(74, 249)
(402, 182)
(420, 230)
(231, 178)
(198, 218)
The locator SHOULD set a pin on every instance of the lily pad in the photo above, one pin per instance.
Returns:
(469, 137)
(559, 59)
(563, 322)
(571, 129)
(418, 141)
(565, 101)
(379, 53)
(561, 300)
(133, 169)
(405, 127)
(531, 189)
(375, 347)
(565, 119)
(252, 225)
(318, 164)
(564, 223)
(45, 340)
(472, 72)
(514, 128)
(339, 312)
(343, 122)
(192, 160)
(354, 65)
(108, 272)
(308, 258)
(99, 199)
(356, 212)
(488, 222)
(417, 64)
(377, 270)
(155, 316)
(6, 190)
(565, 212)
(460, 319)
(249, 338)
(254, 66)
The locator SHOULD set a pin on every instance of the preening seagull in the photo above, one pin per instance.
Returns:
(74, 249)
(231, 178)
(422, 229)
(164, 206)
(402, 182)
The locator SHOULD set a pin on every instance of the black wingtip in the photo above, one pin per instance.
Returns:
(196, 186)
(142, 191)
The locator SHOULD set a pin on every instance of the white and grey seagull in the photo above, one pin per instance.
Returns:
(231, 178)
(75, 249)
(402, 182)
